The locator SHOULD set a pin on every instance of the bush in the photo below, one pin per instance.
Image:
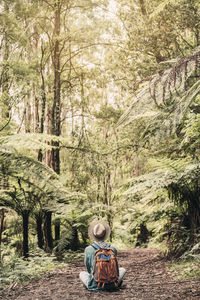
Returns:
(18, 270)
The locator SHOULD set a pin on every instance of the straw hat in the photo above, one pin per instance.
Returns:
(99, 231)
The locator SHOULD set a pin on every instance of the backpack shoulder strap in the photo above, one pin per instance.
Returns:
(95, 246)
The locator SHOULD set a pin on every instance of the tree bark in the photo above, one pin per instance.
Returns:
(40, 236)
(25, 218)
(57, 230)
(43, 108)
(75, 241)
(5, 111)
(48, 232)
(55, 113)
(2, 217)
(28, 117)
(55, 120)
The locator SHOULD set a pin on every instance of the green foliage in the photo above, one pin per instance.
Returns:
(75, 221)
(186, 269)
(17, 270)
(71, 256)
(175, 221)
(188, 265)
(191, 136)
(165, 95)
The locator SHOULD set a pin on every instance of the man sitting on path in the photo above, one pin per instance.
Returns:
(100, 260)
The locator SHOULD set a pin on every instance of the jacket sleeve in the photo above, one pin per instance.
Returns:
(87, 260)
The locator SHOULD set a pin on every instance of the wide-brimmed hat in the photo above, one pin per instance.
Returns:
(99, 230)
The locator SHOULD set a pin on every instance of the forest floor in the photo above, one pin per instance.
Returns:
(147, 278)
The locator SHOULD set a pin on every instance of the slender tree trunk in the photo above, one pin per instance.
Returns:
(48, 232)
(56, 122)
(98, 188)
(75, 242)
(57, 230)
(40, 236)
(25, 217)
(55, 113)
(47, 156)
(53, 157)
(5, 111)
(193, 214)
(136, 165)
(36, 113)
(109, 196)
(43, 108)
(28, 116)
(4, 184)
(2, 217)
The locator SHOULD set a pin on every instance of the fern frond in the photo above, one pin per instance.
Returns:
(31, 141)
(150, 183)
(167, 94)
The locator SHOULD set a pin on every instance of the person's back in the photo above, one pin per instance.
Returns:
(99, 231)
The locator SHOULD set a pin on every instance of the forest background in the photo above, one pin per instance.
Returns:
(99, 105)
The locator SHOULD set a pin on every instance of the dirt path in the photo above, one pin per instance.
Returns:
(146, 278)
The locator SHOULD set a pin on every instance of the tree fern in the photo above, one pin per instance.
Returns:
(31, 141)
(167, 94)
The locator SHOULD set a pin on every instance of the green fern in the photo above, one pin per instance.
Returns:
(166, 97)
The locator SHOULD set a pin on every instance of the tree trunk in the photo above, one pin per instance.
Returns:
(109, 200)
(48, 232)
(48, 214)
(42, 120)
(25, 217)
(5, 111)
(28, 116)
(57, 230)
(53, 156)
(55, 120)
(136, 165)
(47, 156)
(55, 113)
(2, 217)
(75, 241)
(40, 235)
(36, 113)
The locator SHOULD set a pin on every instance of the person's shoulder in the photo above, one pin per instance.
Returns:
(89, 248)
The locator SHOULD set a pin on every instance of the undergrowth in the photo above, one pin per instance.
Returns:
(188, 266)
(16, 270)
(186, 269)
